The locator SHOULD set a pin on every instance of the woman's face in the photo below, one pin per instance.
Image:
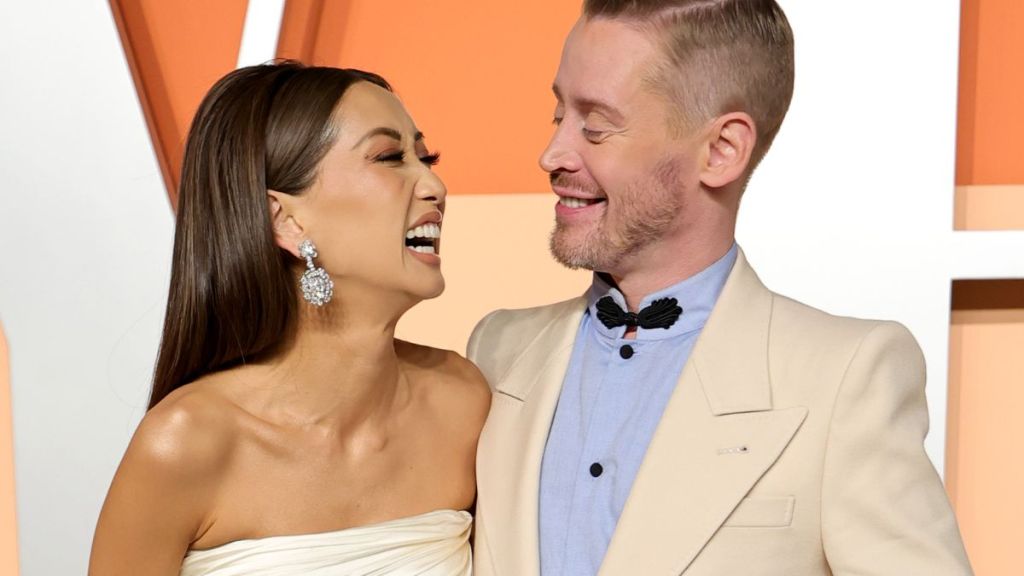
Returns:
(374, 212)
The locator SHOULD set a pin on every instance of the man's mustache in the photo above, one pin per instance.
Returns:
(566, 180)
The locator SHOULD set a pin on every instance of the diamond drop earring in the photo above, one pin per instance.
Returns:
(317, 287)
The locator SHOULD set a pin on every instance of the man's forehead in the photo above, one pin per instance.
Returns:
(602, 59)
(610, 39)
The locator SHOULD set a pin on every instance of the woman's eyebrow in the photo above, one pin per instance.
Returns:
(381, 131)
(385, 131)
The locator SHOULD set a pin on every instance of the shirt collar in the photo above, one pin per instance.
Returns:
(696, 295)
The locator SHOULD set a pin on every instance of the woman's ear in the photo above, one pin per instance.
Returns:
(730, 145)
(288, 233)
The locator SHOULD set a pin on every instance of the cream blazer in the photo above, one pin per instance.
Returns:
(792, 445)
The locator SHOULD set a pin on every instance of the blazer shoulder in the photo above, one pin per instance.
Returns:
(805, 341)
(796, 321)
(503, 335)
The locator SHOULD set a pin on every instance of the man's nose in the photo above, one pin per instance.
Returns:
(560, 153)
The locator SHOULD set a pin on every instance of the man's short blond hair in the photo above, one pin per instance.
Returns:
(720, 56)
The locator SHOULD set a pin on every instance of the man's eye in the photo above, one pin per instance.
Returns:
(556, 120)
(592, 134)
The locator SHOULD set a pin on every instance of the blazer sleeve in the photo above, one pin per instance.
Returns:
(480, 349)
(473, 346)
(884, 509)
(483, 561)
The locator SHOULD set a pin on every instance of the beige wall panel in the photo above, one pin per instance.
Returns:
(8, 526)
(494, 255)
(985, 471)
(989, 208)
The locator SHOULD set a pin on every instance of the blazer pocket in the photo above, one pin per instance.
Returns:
(762, 512)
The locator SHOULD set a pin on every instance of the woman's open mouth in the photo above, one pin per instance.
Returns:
(424, 239)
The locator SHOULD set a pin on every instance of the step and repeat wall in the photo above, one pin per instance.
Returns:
(876, 201)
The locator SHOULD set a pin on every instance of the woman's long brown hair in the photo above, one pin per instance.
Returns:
(233, 295)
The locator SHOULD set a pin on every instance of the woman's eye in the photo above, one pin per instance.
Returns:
(399, 157)
(431, 159)
(392, 157)
(592, 134)
(556, 120)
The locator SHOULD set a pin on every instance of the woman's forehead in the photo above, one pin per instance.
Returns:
(366, 107)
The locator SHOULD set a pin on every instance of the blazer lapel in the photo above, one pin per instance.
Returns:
(512, 443)
(717, 437)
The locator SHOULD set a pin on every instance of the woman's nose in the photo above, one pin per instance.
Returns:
(430, 188)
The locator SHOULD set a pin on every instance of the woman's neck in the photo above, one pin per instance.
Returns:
(338, 372)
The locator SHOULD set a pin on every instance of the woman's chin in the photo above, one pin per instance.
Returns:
(426, 289)
(435, 290)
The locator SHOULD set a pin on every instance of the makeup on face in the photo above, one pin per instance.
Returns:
(378, 205)
(423, 237)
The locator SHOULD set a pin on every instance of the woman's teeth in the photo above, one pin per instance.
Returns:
(428, 231)
(570, 202)
(423, 239)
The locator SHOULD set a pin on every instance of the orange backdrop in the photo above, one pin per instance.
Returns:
(991, 115)
(990, 156)
(476, 76)
(176, 51)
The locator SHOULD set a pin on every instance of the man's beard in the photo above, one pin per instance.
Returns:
(646, 211)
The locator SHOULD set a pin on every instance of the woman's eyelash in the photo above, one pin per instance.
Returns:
(429, 159)
(391, 157)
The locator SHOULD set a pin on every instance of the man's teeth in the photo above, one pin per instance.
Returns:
(423, 249)
(429, 231)
(569, 202)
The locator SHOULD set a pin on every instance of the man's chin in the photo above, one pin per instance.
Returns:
(575, 253)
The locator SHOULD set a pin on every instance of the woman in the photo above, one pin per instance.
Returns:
(288, 431)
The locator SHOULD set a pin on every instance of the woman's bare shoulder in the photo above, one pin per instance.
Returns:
(187, 435)
(161, 496)
(458, 380)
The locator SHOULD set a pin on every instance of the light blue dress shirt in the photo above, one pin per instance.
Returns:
(610, 404)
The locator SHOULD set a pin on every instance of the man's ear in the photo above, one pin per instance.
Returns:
(731, 141)
(288, 233)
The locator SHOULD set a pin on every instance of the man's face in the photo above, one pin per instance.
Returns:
(620, 173)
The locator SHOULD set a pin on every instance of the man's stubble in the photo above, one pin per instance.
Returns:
(645, 211)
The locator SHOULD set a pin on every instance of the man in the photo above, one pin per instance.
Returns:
(680, 418)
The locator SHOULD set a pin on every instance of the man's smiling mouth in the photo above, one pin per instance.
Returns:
(571, 202)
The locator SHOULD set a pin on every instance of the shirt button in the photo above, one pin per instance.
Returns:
(626, 352)
(596, 469)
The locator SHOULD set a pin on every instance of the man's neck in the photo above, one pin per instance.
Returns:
(654, 272)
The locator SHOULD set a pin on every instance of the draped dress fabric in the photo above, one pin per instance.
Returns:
(431, 544)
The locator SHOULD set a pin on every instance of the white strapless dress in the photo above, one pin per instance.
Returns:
(431, 544)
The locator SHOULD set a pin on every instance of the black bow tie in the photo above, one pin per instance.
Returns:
(661, 313)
